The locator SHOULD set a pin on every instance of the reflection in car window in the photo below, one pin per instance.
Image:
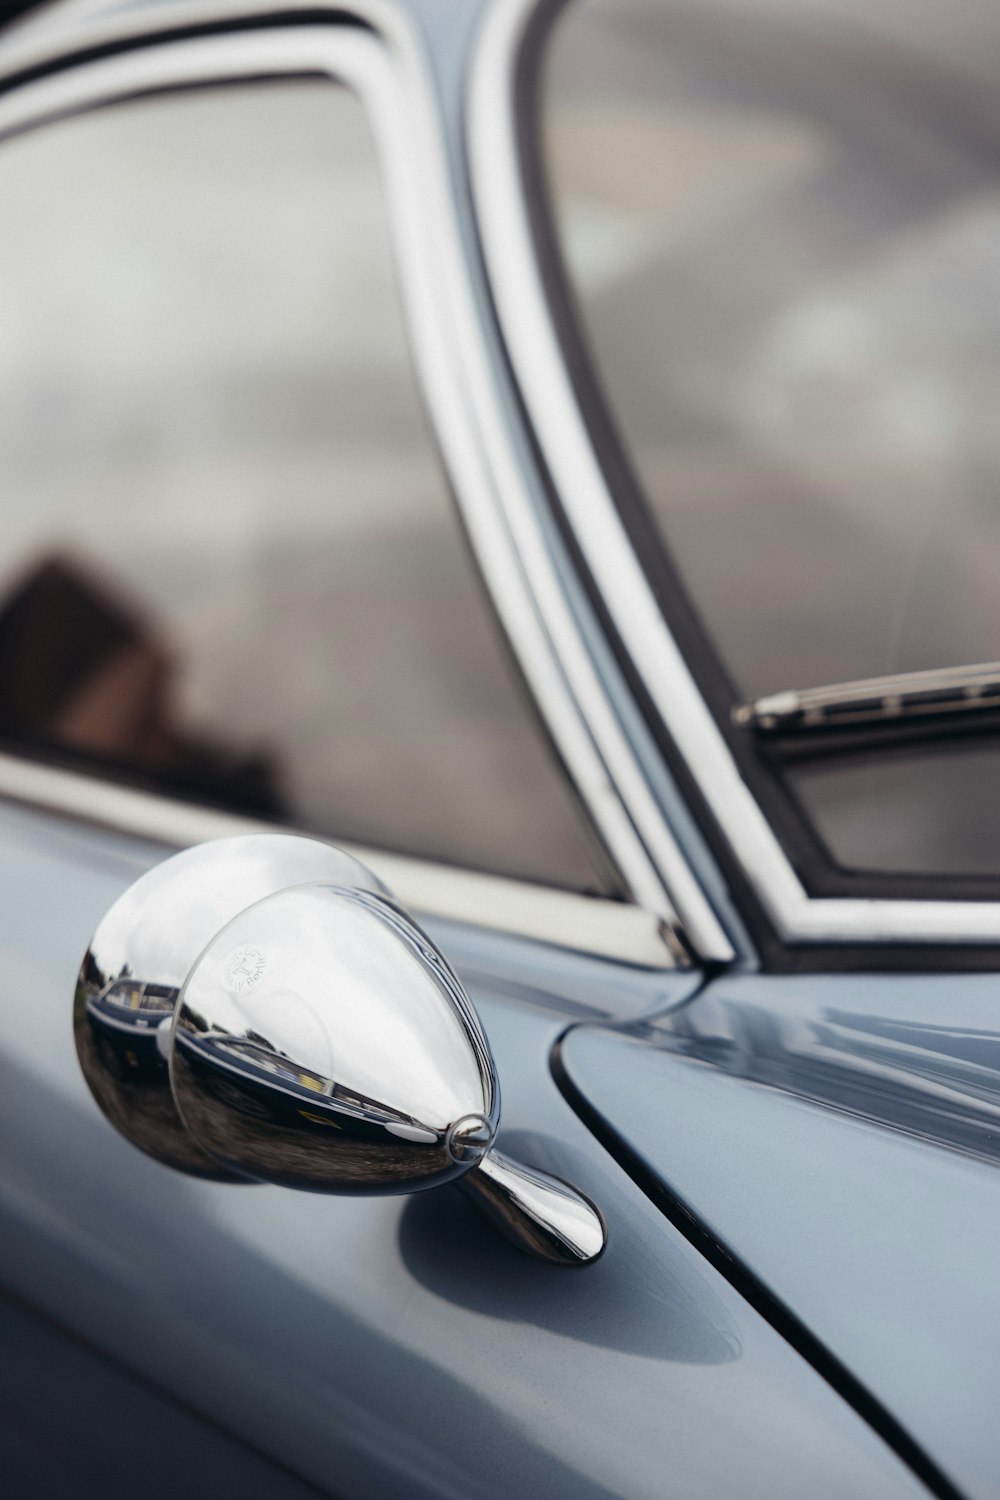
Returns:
(230, 561)
(781, 223)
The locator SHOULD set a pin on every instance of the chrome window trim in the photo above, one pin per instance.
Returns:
(536, 356)
(390, 76)
(583, 924)
(455, 372)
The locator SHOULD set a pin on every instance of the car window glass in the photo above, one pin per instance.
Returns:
(230, 564)
(781, 225)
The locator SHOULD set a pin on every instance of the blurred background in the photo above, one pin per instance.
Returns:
(231, 566)
(781, 223)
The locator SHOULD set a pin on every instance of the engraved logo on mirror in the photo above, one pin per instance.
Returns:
(243, 968)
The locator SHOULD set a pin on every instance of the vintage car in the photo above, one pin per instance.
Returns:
(127, 1020)
(498, 749)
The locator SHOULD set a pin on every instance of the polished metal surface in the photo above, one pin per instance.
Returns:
(537, 1212)
(321, 1042)
(261, 1009)
(140, 955)
(876, 700)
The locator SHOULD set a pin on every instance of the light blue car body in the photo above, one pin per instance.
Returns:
(798, 1173)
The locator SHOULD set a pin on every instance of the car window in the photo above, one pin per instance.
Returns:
(230, 565)
(780, 224)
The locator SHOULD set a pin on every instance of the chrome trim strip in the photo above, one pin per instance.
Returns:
(585, 924)
(536, 356)
(876, 700)
(448, 345)
(145, 1028)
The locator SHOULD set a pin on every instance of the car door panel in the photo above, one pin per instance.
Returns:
(839, 1135)
(397, 1346)
(76, 1423)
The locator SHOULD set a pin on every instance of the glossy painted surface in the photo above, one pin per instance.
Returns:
(75, 1423)
(841, 1136)
(398, 1347)
(395, 1346)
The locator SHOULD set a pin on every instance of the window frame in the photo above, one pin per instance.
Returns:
(775, 863)
(377, 53)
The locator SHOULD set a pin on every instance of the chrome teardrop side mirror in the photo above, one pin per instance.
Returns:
(131, 976)
(261, 1009)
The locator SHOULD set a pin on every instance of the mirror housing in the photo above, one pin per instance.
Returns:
(261, 1009)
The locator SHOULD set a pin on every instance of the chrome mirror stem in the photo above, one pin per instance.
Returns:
(539, 1213)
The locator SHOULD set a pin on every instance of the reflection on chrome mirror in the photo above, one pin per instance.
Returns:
(141, 955)
(261, 1009)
